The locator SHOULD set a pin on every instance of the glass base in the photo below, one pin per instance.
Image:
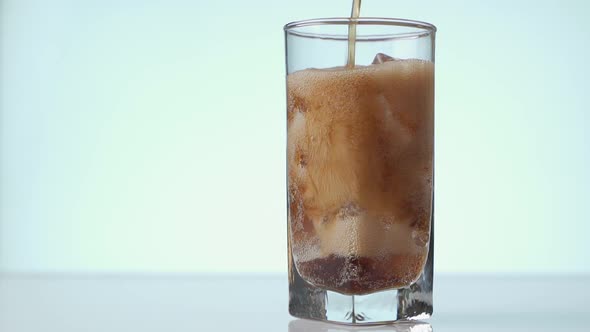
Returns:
(411, 303)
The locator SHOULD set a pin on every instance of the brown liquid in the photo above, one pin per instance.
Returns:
(360, 153)
(355, 13)
(362, 275)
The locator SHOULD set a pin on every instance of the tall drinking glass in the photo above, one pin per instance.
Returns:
(360, 145)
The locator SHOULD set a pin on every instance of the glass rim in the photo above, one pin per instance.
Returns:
(424, 29)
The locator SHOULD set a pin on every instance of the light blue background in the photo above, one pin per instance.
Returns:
(149, 136)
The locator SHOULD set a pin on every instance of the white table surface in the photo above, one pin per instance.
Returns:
(259, 303)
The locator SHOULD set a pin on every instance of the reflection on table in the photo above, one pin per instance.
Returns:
(302, 325)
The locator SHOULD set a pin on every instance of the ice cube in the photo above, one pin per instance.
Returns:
(349, 210)
(421, 237)
(381, 58)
